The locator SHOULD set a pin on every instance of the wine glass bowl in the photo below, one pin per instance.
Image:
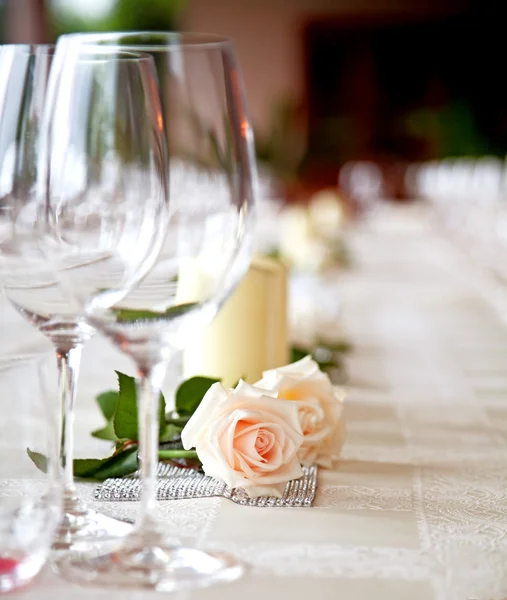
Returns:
(103, 231)
(207, 246)
(22, 267)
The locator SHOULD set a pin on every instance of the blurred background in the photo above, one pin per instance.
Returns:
(344, 94)
(360, 108)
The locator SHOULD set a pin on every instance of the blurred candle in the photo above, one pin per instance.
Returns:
(249, 334)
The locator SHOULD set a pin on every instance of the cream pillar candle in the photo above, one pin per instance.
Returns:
(249, 334)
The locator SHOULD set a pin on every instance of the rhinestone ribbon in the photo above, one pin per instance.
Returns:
(175, 483)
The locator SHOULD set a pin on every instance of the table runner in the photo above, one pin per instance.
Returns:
(418, 506)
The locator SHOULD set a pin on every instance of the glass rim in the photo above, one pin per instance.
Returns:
(30, 48)
(101, 54)
(166, 41)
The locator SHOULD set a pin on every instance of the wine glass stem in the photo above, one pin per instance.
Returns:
(69, 359)
(149, 384)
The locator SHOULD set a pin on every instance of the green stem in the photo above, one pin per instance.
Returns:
(168, 454)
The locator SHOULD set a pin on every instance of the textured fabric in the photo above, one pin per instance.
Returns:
(417, 509)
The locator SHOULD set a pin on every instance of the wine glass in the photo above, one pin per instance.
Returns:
(25, 276)
(205, 253)
(29, 497)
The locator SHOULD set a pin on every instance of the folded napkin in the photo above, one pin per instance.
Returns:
(176, 483)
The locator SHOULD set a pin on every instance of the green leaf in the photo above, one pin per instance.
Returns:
(106, 433)
(297, 353)
(120, 464)
(86, 467)
(125, 418)
(326, 365)
(324, 354)
(38, 459)
(127, 315)
(161, 414)
(107, 402)
(340, 346)
(191, 392)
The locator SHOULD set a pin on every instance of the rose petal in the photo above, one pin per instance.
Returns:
(289, 450)
(273, 458)
(241, 464)
(311, 415)
(265, 441)
(213, 398)
(245, 390)
(226, 443)
(255, 442)
(270, 410)
(286, 472)
(246, 441)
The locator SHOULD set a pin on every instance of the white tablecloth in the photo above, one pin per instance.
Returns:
(417, 509)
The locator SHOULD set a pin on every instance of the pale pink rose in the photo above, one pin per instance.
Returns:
(320, 407)
(247, 438)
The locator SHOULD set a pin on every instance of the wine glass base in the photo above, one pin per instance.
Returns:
(18, 569)
(156, 568)
(81, 525)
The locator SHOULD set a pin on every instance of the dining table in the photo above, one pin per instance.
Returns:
(416, 507)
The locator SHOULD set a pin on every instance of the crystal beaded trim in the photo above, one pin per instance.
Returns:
(175, 483)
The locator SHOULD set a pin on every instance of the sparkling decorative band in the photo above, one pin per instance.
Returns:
(175, 483)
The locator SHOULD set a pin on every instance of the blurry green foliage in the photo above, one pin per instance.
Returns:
(452, 130)
(283, 146)
(125, 15)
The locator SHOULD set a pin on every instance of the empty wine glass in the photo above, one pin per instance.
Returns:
(27, 280)
(29, 496)
(205, 253)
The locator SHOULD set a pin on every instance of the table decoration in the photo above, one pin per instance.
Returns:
(257, 312)
(176, 483)
(311, 237)
(262, 441)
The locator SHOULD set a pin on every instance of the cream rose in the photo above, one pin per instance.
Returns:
(247, 438)
(320, 408)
